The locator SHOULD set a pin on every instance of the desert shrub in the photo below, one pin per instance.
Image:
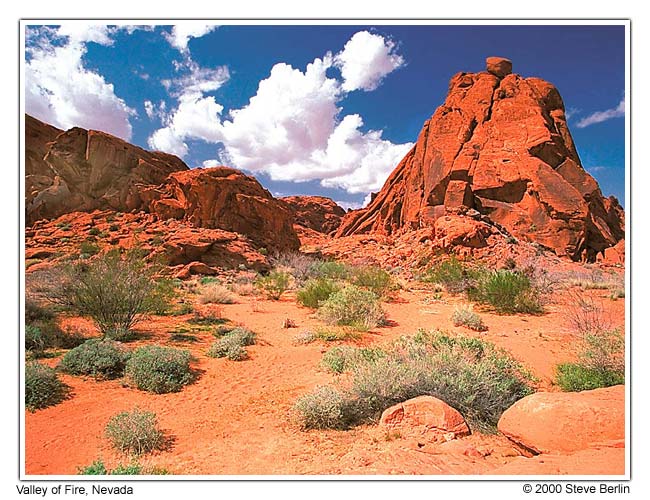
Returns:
(464, 316)
(574, 377)
(211, 317)
(101, 358)
(341, 359)
(374, 279)
(275, 284)
(208, 280)
(97, 468)
(35, 311)
(114, 291)
(296, 264)
(507, 291)
(472, 376)
(336, 334)
(617, 293)
(315, 291)
(233, 344)
(42, 386)
(451, 274)
(94, 231)
(159, 369)
(36, 340)
(134, 432)
(306, 337)
(159, 301)
(329, 269)
(585, 315)
(88, 248)
(243, 289)
(323, 408)
(215, 293)
(353, 306)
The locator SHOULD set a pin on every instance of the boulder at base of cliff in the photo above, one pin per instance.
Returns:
(565, 422)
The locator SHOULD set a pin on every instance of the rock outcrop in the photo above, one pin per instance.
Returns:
(84, 170)
(224, 198)
(315, 212)
(500, 145)
(551, 422)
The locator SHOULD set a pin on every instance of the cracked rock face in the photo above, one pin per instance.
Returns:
(500, 145)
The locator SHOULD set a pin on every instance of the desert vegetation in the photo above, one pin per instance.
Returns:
(471, 375)
(135, 432)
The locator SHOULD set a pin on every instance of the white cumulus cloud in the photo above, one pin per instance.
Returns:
(292, 129)
(601, 116)
(60, 90)
(365, 60)
(181, 34)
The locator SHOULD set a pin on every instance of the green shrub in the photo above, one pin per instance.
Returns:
(470, 375)
(88, 248)
(329, 269)
(207, 280)
(36, 340)
(275, 284)
(324, 408)
(232, 344)
(34, 311)
(42, 386)
(113, 227)
(374, 279)
(99, 358)
(135, 432)
(97, 468)
(451, 274)
(341, 359)
(94, 231)
(507, 291)
(159, 369)
(466, 317)
(601, 363)
(574, 377)
(159, 301)
(353, 306)
(215, 293)
(114, 291)
(315, 291)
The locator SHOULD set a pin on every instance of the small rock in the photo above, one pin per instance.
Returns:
(498, 66)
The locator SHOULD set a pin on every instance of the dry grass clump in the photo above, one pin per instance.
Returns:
(464, 316)
(214, 293)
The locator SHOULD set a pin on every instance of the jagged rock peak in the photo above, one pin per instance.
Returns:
(499, 145)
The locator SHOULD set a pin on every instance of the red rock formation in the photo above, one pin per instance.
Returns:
(193, 250)
(547, 422)
(224, 198)
(83, 170)
(315, 212)
(426, 415)
(499, 144)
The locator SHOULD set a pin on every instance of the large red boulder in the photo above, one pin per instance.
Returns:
(315, 212)
(224, 198)
(500, 144)
(564, 422)
(84, 170)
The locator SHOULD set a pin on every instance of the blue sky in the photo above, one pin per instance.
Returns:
(312, 109)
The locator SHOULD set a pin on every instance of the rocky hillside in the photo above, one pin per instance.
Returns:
(224, 198)
(499, 148)
(318, 213)
(83, 170)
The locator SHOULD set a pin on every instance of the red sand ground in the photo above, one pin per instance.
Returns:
(237, 417)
